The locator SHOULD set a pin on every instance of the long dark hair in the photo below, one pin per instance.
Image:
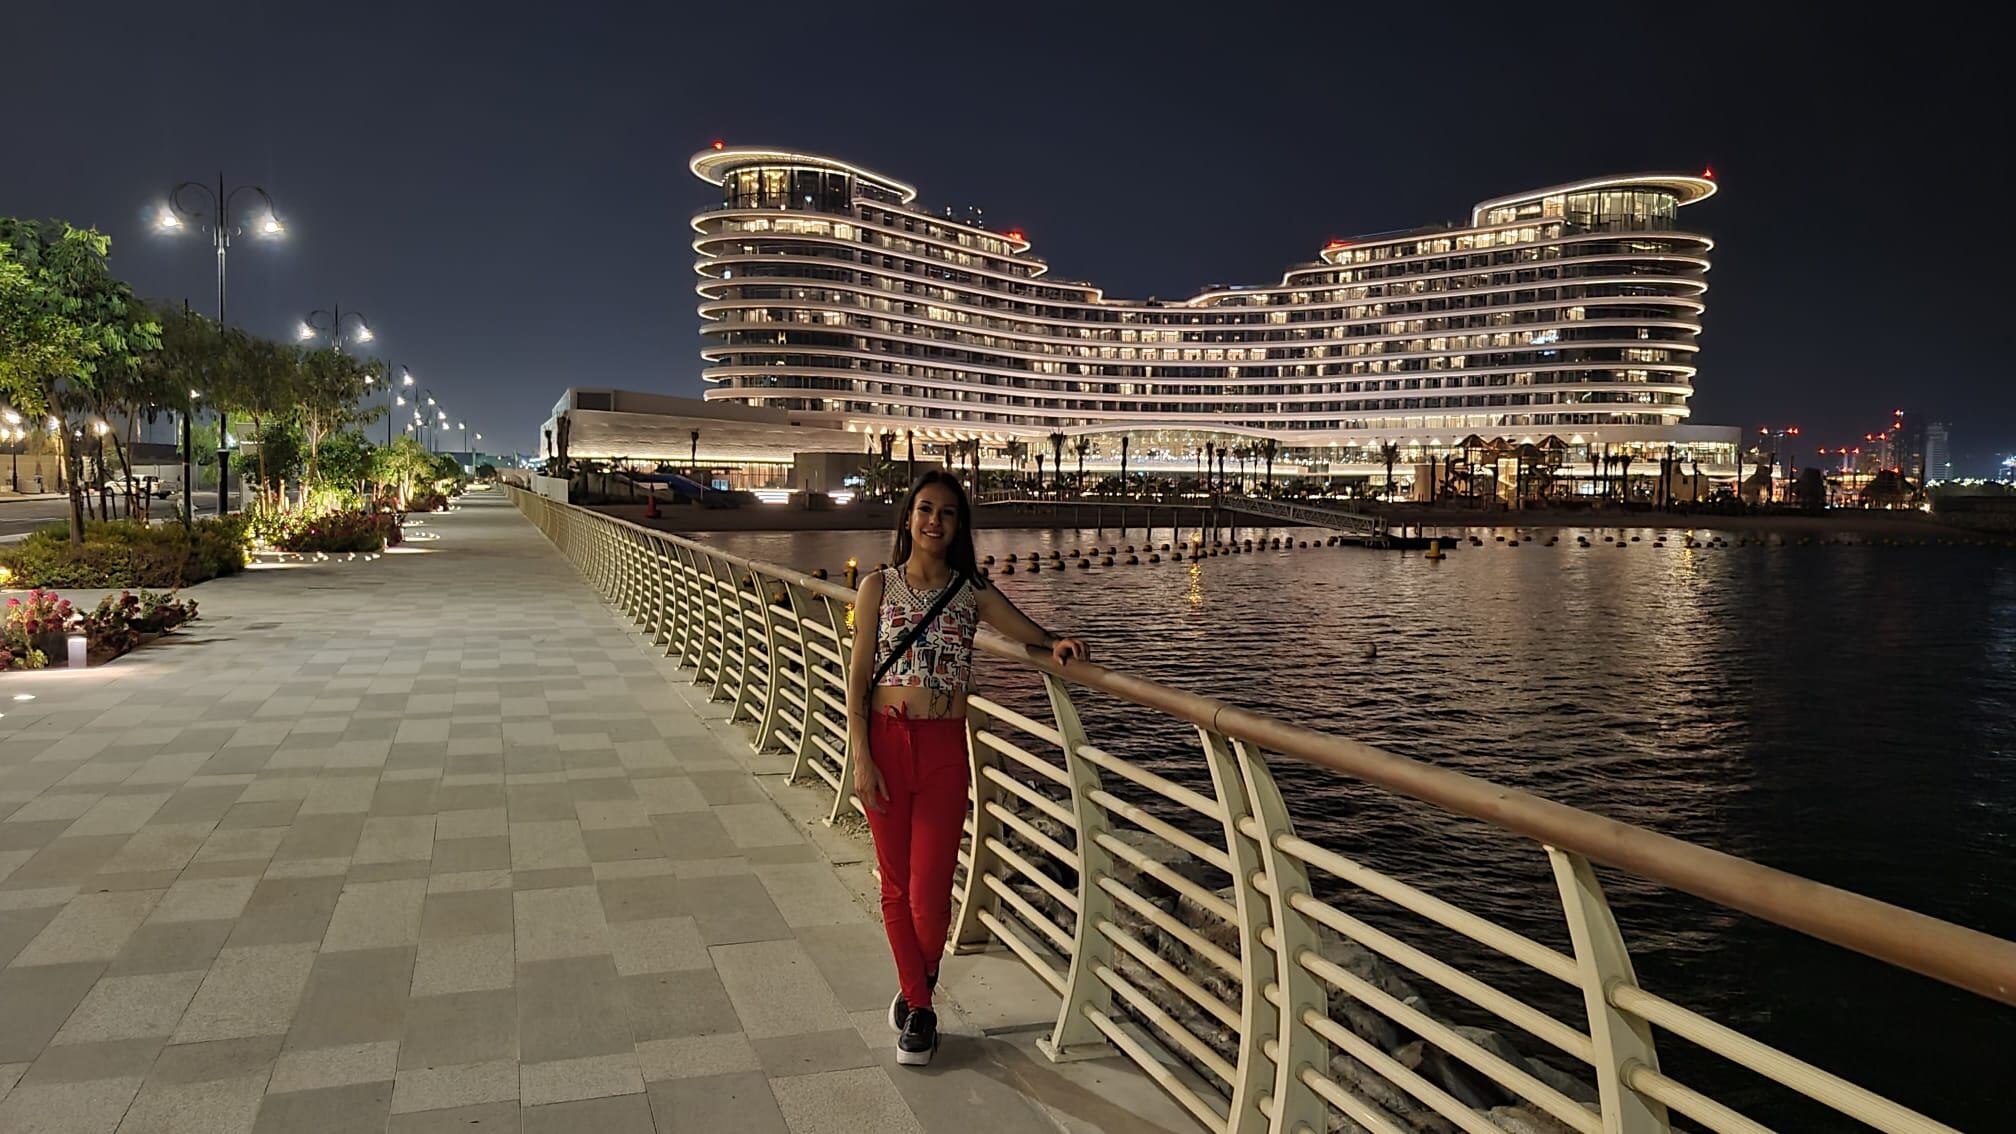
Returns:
(960, 555)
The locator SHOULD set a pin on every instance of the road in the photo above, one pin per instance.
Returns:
(19, 517)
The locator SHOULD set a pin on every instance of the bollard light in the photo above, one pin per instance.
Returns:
(79, 651)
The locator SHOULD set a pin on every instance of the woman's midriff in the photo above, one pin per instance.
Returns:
(919, 703)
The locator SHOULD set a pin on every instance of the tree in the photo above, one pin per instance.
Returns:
(260, 380)
(1081, 447)
(401, 464)
(1269, 449)
(1389, 455)
(35, 341)
(346, 458)
(1039, 473)
(67, 281)
(283, 454)
(1057, 460)
(331, 384)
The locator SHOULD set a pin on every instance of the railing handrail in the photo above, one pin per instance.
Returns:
(1953, 954)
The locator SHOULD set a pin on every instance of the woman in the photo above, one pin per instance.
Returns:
(906, 712)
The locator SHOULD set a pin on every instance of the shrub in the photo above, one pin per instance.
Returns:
(129, 553)
(341, 531)
(44, 612)
(427, 502)
(120, 621)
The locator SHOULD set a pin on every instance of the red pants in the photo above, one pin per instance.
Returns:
(923, 765)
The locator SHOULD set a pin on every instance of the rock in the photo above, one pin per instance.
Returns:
(1579, 1090)
(1367, 966)
(1462, 1082)
(1376, 1089)
(1522, 1120)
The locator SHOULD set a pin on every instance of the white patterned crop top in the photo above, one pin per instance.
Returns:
(942, 656)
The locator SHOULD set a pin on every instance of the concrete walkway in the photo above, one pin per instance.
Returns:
(437, 843)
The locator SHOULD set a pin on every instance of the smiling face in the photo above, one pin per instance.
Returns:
(934, 520)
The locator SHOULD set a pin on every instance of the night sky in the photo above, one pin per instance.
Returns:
(502, 188)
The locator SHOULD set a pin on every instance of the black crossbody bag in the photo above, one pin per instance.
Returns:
(911, 635)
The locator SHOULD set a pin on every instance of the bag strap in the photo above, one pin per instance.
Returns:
(916, 631)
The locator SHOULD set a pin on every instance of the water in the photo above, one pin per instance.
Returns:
(1843, 713)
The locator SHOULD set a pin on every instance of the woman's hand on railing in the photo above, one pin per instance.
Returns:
(1063, 650)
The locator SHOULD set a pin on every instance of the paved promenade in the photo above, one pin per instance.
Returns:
(437, 843)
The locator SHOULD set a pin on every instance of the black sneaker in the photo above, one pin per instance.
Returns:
(919, 1039)
(899, 1008)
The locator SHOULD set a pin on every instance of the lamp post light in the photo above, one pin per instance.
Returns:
(311, 328)
(177, 214)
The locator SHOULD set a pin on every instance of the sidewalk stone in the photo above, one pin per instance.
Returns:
(437, 842)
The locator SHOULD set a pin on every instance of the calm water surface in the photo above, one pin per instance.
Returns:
(1844, 713)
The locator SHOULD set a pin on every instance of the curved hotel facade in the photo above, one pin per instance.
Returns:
(1571, 312)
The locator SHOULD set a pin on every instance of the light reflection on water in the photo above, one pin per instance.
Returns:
(1845, 713)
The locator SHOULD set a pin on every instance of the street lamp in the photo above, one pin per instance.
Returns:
(311, 328)
(175, 216)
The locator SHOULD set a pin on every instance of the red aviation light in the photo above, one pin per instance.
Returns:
(1336, 244)
(1014, 234)
(719, 144)
(1708, 173)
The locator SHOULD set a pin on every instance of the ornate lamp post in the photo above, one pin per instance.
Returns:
(185, 207)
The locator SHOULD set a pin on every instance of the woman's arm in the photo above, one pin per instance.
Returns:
(860, 698)
(1002, 615)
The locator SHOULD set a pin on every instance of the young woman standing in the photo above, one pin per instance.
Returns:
(906, 710)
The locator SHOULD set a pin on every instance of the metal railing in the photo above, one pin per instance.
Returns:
(1185, 930)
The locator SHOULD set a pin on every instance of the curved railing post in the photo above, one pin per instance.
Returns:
(969, 933)
(1075, 1036)
(772, 594)
(661, 591)
(752, 627)
(843, 639)
(1297, 1048)
(1622, 1042)
(1264, 882)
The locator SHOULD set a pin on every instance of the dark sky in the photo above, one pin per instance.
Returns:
(502, 188)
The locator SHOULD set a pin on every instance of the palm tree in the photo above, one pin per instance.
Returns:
(1056, 457)
(1123, 464)
(1210, 454)
(1268, 449)
(1081, 447)
(1039, 473)
(1390, 454)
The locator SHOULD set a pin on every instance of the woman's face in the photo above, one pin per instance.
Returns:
(934, 520)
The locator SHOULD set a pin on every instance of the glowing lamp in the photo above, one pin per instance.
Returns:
(1014, 234)
(78, 651)
(1709, 173)
(719, 144)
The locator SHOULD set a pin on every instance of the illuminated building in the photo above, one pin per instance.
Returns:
(1571, 311)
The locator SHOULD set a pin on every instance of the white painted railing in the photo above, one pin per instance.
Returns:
(1186, 931)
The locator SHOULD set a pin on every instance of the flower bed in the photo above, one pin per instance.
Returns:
(329, 522)
(341, 531)
(35, 630)
(127, 553)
